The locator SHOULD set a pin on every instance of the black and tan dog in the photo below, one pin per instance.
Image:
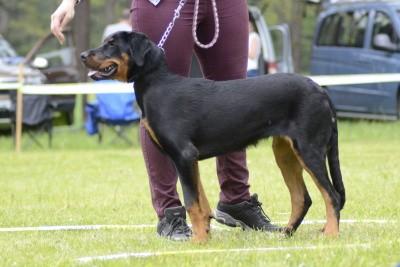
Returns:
(193, 119)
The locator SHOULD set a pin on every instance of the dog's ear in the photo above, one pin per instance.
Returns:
(140, 45)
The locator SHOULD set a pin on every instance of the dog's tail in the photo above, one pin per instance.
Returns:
(334, 165)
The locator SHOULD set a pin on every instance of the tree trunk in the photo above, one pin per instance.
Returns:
(3, 20)
(81, 31)
(110, 11)
(296, 26)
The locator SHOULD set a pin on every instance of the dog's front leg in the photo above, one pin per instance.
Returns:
(196, 202)
(199, 210)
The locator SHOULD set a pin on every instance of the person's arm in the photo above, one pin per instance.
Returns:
(254, 47)
(60, 18)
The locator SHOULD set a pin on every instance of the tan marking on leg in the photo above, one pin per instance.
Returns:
(292, 173)
(200, 211)
(153, 136)
(331, 227)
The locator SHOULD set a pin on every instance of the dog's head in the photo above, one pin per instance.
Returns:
(120, 57)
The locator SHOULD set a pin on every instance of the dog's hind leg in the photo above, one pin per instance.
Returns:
(292, 172)
(196, 202)
(314, 162)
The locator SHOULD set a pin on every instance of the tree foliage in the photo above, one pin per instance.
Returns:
(27, 21)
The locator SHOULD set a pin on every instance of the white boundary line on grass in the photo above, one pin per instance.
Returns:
(349, 221)
(147, 254)
(143, 226)
(76, 227)
(86, 227)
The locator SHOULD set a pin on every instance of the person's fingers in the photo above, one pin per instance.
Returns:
(60, 18)
(67, 18)
(56, 28)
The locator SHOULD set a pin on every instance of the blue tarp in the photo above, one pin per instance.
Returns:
(117, 109)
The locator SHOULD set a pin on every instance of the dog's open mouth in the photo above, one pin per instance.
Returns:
(103, 72)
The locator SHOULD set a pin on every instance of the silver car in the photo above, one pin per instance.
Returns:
(276, 47)
(9, 73)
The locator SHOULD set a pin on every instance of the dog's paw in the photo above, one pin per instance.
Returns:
(201, 238)
(288, 231)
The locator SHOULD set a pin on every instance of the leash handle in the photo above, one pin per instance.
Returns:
(177, 14)
(216, 25)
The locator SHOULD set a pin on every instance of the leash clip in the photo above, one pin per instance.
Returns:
(177, 14)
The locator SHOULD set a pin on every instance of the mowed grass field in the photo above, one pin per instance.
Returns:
(79, 182)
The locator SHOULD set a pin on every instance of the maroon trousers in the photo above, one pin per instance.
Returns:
(226, 60)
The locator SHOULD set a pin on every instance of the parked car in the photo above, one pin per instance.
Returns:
(9, 66)
(9, 72)
(360, 38)
(276, 47)
(59, 64)
(47, 62)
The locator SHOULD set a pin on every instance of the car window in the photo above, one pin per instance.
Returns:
(383, 28)
(6, 50)
(344, 29)
(327, 34)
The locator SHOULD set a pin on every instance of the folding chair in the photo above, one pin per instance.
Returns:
(115, 111)
(36, 117)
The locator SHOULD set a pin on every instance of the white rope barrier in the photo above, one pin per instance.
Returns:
(9, 86)
(78, 88)
(69, 88)
(329, 80)
(102, 88)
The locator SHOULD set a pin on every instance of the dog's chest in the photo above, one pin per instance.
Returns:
(150, 131)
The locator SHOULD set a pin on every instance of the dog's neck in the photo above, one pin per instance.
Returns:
(153, 71)
(155, 65)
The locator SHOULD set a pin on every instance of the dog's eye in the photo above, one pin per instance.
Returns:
(111, 43)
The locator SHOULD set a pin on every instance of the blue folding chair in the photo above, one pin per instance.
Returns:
(115, 111)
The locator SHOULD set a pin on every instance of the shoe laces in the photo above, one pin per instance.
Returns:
(259, 210)
(179, 225)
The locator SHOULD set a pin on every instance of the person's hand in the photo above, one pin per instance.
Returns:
(60, 18)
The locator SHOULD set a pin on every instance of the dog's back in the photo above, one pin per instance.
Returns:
(230, 115)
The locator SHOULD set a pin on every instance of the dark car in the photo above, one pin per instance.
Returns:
(360, 38)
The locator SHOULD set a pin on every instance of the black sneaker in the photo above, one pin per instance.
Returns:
(248, 214)
(173, 226)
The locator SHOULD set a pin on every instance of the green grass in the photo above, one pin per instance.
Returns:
(80, 182)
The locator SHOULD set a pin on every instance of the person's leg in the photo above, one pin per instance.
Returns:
(178, 48)
(150, 20)
(227, 60)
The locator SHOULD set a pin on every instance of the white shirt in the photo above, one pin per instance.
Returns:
(252, 64)
(155, 2)
(117, 27)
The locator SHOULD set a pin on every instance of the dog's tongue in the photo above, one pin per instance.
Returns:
(92, 73)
